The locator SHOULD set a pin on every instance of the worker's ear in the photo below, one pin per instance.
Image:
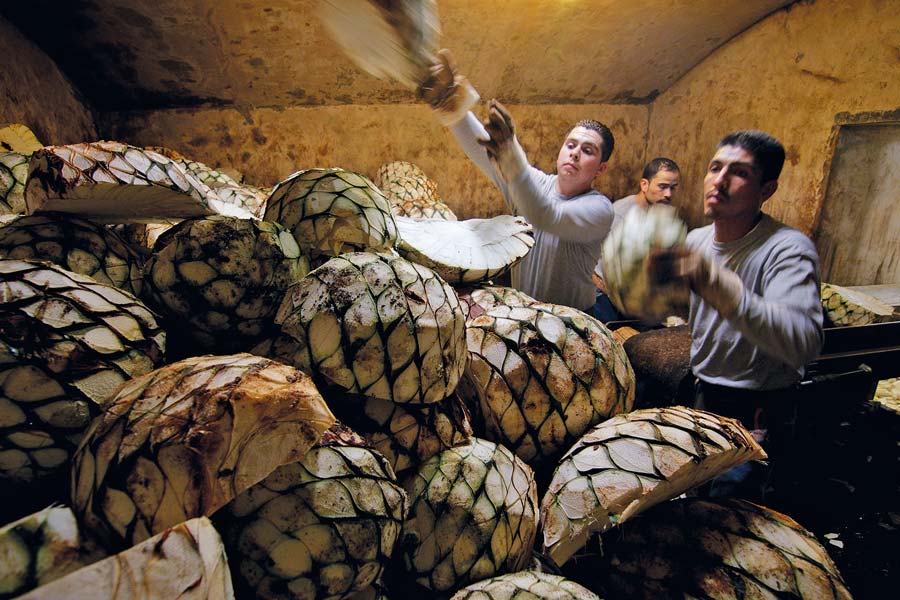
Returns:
(768, 188)
(645, 185)
(602, 167)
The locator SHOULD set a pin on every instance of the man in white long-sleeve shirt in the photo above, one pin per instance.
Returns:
(756, 314)
(570, 218)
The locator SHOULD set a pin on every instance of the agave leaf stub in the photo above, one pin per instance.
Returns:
(185, 562)
(473, 515)
(323, 527)
(689, 547)
(376, 325)
(631, 462)
(332, 211)
(184, 440)
(67, 342)
(544, 375)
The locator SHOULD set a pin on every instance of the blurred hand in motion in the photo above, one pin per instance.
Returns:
(719, 286)
(502, 146)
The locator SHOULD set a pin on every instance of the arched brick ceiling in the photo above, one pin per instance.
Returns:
(143, 54)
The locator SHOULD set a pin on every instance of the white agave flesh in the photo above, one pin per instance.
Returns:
(467, 251)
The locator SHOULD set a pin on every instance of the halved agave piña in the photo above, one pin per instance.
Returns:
(465, 252)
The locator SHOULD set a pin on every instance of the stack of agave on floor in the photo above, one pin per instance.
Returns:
(544, 374)
(186, 439)
(411, 192)
(846, 306)
(322, 527)
(218, 281)
(66, 343)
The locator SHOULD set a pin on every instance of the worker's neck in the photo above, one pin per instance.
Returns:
(729, 230)
(641, 200)
(570, 189)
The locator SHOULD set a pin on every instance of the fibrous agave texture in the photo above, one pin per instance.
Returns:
(465, 252)
(473, 515)
(322, 527)
(411, 193)
(67, 342)
(845, 306)
(111, 182)
(219, 280)
(376, 325)
(525, 585)
(184, 440)
(332, 211)
(75, 244)
(186, 562)
(41, 548)
(693, 548)
(625, 256)
(631, 462)
(545, 374)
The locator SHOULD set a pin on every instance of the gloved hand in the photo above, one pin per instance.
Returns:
(448, 93)
(502, 146)
(719, 286)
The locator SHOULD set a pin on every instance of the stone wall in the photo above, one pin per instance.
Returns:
(797, 75)
(35, 93)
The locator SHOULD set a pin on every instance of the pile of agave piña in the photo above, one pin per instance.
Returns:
(174, 404)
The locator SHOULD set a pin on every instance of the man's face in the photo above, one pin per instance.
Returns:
(579, 159)
(732, 188)
(661, 187)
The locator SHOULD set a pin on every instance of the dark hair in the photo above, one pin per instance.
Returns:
(605, 134)
(660, 163)
(768, 153)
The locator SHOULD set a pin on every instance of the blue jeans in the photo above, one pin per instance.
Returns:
(603, 310)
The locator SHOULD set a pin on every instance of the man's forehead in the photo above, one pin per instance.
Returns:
(733, 154)
(666, 175)
(583, 134)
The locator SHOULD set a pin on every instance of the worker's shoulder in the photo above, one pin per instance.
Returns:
(698, 235)
(784, 235)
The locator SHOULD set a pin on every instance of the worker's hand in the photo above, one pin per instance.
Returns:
(448, 93)
(719, 286)
(598, 282)
(502, 146)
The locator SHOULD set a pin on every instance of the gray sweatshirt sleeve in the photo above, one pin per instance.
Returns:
(585, 218)
(785, 322)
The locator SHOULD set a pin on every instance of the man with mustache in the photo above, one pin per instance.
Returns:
(570, 218)
(756, 314)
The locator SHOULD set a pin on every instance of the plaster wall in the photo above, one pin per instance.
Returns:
(795, 75)
(35, 93)
(267, 144)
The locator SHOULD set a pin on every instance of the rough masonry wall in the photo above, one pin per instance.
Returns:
(35, 93)
(790, 75)
(267, 145)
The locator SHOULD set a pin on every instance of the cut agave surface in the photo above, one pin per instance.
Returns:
(111, 182)
(468, 251)
(377, 325)
(323, 527)
(625, 255)
(693, 548)
(333, 211)
(525, 585)
(186, 562)
(473, 515)
(184, 440)
(411, 192)
(544, 375)
(66, 343)
(631, 462)
(218, 280)
(41, 548)
(845, 306)
(479, 298)
(15, 137)
(75, 244)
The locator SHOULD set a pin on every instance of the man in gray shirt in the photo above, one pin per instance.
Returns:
(756, 314)
(570, 218)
